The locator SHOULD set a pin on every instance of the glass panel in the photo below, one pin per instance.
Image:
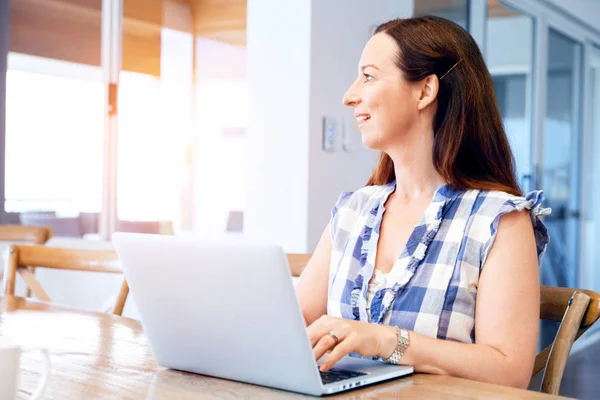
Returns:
(454, 10)
(591, 250)
(177, 139)
(54, 102)
(220, 140)
(154, 116)
(561, 160)
(509, 53)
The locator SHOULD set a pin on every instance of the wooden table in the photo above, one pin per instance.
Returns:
(101, 356)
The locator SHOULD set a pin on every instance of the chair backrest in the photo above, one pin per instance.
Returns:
(297, 262)
(152, 227)
(23, 257)
(20, 233)
(577, 310)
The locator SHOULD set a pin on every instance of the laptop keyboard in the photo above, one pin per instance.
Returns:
(335, 375)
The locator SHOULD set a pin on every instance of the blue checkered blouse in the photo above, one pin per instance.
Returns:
(435, 278)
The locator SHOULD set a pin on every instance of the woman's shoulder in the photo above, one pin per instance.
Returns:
(492, 203)
(490, 206)
(360, 199)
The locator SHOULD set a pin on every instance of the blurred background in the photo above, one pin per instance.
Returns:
(215, 117)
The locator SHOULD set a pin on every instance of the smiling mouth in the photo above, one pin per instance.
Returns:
(362, 118)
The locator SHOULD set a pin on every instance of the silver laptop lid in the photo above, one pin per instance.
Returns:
(221, 308)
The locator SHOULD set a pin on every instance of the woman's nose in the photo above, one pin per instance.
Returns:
(351, 98)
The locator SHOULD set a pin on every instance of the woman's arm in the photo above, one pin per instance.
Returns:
(506, 321)
(312, 287)
(506, 317)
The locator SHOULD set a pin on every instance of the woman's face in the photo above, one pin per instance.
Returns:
(385, 104)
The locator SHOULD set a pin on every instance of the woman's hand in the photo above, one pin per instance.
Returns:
(363, 338)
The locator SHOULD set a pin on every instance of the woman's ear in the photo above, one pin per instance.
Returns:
(429, 90)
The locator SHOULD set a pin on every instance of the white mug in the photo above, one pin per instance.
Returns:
(10, 360)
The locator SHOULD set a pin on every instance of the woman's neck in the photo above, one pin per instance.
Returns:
(416, 176)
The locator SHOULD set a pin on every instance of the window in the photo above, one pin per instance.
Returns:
(509, 57)
(54, 135)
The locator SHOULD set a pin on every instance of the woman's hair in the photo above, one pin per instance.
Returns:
(470, 147)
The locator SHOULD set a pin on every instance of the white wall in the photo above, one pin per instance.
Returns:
(278, 75)
(586, 10)
(302, 56)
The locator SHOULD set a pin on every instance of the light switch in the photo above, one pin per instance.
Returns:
(329, 125)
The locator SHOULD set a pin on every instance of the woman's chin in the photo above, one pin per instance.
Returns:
(370, 141)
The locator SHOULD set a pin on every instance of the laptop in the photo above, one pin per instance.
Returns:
(228, 309)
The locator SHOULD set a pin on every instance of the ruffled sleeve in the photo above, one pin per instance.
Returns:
(532, 202)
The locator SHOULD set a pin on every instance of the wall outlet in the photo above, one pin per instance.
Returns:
(329, 126)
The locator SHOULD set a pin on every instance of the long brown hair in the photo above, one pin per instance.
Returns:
(470, 147)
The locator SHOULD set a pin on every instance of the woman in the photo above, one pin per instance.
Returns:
(434, 263)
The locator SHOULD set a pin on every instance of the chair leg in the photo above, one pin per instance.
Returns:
(121, 299)
(559, 353)
(28, 292)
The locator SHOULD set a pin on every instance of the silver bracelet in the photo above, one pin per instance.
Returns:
(401, 346)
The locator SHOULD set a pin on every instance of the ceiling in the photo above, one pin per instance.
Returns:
(221, 20)
(71, 30)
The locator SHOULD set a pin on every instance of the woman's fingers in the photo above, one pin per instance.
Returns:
(344, 348)
(322, 341)
(326, 343)
(315, 333)
(316, 330)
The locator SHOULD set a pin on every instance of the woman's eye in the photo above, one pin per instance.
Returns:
(368, 77)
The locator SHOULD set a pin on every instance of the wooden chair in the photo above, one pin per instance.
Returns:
(576, 310)
(297, 262)
(22, 257)
(20, 233)
(24, 234)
